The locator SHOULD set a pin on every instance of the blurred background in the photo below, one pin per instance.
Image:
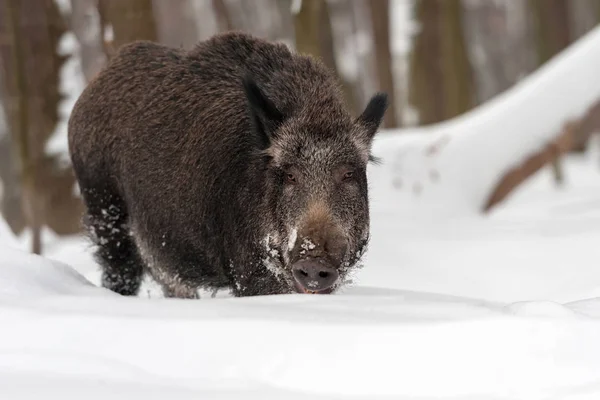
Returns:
(437, 59)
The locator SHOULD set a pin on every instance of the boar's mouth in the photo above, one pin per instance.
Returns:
(301, 290)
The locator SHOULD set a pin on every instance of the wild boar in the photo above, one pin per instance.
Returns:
(232, 165)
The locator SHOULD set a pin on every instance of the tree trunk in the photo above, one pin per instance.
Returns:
(551, 19)
(500, 42)
(11, 207)
(131, 20)
(18, 112)
(327, 53)
(380, 24)
(306, 25)
(441, 84)
(584, 17)
(458, 79)
(314, 36)
(31, 69)
(175, 23)
(86, 23)
(222, 15)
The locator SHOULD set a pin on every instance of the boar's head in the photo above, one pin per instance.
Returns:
(315, 186)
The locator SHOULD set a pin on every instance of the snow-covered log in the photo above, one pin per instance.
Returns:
(454, 167)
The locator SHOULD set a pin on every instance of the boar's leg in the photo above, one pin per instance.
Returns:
(106, 221)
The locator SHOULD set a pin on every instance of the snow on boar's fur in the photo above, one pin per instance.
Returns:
(233, 165)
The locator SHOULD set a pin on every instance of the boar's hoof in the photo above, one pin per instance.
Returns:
(313, 276)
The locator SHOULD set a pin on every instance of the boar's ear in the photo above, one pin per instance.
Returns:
(371, 117)
(265, 115)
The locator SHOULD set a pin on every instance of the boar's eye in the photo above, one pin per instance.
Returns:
(290, 178)
(348, 175)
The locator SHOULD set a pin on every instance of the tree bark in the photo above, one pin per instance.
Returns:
(327, 53)
(441, 84)
(11, 207)
(584, 17)
(131, 20)
(380, 24)
(306, 26)
(314, 36)
(18, 113)
(31, 30)
(551, 19)
(175, 23)
(500, 42)
(86, 24)
(222, 15)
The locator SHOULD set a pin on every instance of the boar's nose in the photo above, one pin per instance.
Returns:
(313, 275)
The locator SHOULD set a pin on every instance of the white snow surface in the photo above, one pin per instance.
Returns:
(450, 304)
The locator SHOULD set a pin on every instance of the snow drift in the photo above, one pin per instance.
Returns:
(59, 330)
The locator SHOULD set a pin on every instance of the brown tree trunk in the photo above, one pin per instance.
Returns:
(11, 207)
(380, 10)
(441, 84)
(327, 53)
(18, 110)
(131, 20)
(31, 70)
(501, 45)
(222, 15)
(306, 24)
(176, 23)
(313, 35)
(584, 16)
(551, 19)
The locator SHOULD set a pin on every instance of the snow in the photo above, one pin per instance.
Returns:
(295, 6)
(387, 336)
(451, 304)
(6, 235)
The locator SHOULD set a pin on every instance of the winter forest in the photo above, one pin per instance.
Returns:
(481, 278)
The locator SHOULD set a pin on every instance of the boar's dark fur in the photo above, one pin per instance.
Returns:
(221, 167)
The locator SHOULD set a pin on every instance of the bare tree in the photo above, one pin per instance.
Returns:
(223, 16)
(31, 78)
(441, 84)
(551, 21)
(85, 22)
(501, 45)
(176, 23)
(131, 20)
(313, 35)
(380, 23)
(306, 26)
(9, 176)
(584, 16)
(344, 36)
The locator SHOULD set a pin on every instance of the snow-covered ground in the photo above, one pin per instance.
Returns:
(450, 305)
(500, 307)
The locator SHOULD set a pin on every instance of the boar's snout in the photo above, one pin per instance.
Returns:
(314, 276)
